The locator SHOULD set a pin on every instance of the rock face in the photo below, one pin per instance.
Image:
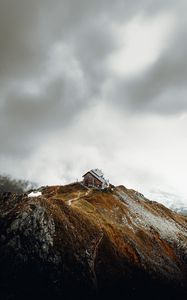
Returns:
(72, 241)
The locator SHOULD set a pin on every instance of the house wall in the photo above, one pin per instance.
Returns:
(90, 180)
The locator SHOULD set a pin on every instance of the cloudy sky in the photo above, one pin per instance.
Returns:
(95, 83)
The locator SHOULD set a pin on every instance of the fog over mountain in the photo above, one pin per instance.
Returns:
(87, 84)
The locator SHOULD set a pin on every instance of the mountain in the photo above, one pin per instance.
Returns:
(170, 200)
(66, 242)
(8, 183)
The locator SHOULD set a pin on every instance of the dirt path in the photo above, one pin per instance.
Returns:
(78, 197)
(74, 199)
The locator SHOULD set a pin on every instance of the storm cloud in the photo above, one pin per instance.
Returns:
(94, 84)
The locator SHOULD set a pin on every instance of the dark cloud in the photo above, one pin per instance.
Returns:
(161, 89)
(54, 70)
(26, 117)
(29, 28)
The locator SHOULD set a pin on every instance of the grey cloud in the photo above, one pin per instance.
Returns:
(21, 46)
(26, 118)
(167, 79)
(30, 30)
(162, 88)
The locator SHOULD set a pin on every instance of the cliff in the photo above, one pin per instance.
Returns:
(72, 241)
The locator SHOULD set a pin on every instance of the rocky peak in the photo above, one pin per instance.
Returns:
(72, 240)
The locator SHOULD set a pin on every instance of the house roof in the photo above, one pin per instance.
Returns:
(97, 174)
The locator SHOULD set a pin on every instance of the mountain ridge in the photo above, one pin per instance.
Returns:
(170, 200)
(72, 240)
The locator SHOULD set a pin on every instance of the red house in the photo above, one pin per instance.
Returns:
(95, 178)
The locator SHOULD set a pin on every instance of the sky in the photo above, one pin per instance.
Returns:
(95, 84)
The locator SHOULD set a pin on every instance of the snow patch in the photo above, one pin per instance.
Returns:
(34, 194)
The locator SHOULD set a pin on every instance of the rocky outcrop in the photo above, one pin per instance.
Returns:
(72, 241)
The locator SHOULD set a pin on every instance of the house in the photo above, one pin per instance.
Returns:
(95, 178)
